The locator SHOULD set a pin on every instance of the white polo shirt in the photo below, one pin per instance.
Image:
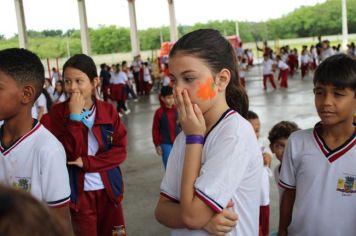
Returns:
(267, 66)
(231, 170)
(325, 183)
(36, 163)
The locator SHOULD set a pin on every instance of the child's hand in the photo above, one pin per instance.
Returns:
(191, 118)
(78, 162)
(76, 103)
(222, 223)
(159, 150)
(267, 159)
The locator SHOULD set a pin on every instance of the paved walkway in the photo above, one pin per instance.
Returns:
(143, 170)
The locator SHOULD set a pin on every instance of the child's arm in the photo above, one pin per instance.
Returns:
(168, 213)
(195, 213)
(155, 132)
(286, 209)
(64, 216)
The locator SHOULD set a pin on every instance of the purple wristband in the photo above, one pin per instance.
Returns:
(194, 139)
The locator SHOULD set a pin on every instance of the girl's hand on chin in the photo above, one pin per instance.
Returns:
(76, 103)
(191, 118)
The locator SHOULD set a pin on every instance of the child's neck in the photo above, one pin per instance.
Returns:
(88, 104)
(213, 115)
(16, 128)
(335, 136)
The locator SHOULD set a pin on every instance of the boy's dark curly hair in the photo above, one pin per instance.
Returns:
(282, 130)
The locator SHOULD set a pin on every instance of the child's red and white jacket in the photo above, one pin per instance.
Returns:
(111, 135)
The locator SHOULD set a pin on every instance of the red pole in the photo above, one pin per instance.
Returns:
(49, 69)
(59, 73)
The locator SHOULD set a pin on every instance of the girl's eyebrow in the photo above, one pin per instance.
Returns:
(182, 73)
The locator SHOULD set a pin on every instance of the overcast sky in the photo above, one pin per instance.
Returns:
(63, 14)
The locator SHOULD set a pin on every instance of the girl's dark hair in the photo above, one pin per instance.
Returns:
(83, 63)
(338, 70)
(49, 101)
(61, 82)
(282, 129)
(210, 46)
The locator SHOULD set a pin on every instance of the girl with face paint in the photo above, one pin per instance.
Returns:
(213, 177)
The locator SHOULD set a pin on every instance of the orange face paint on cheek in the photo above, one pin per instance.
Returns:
(206, 90)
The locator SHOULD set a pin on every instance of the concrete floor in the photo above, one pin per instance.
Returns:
(143, 170)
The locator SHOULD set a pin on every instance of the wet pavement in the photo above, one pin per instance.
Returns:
(143, 170)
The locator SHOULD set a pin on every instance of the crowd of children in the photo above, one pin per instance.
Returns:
(217, 174)
(288, 61)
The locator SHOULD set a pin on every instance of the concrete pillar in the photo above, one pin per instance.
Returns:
(84, 32)
(172, 20)
(21, 24)
(344, 25)
(135, 42)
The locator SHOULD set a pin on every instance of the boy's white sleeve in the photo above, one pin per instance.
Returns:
(223, 171)
(54, 176)
(287, 177)
(170, 185)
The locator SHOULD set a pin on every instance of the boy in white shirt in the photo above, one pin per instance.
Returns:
(31, 158)
(319, 165)
(268, 66)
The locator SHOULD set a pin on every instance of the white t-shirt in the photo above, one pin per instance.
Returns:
(267, 66)
(282, 65)
(328, 52)
(242, 71)
(231, 170)
(305, 58)
(147, 75)
(40, 102)
(57, 98)
(36, 163)
(118, 78)
(325, 183)
(266, 173)
(166, 81)
(92, 180)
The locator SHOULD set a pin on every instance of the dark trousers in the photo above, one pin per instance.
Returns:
(97, 215)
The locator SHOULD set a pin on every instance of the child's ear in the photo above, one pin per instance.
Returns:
(96, 82)
(223, 79)
(28, 94)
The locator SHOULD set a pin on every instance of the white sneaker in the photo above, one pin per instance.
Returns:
(127, 111)
(120, 115)
(136, 100)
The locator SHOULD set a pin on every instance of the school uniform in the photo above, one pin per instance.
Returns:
(325, 184)
(268, 73)
(231, 168)
(40, 102)
(117, 86)
(265, 198)
(305, 60)
(147, 81)
(242, 73)
(36, 163)
(97, 188)
(283, 73)
(165, 128)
